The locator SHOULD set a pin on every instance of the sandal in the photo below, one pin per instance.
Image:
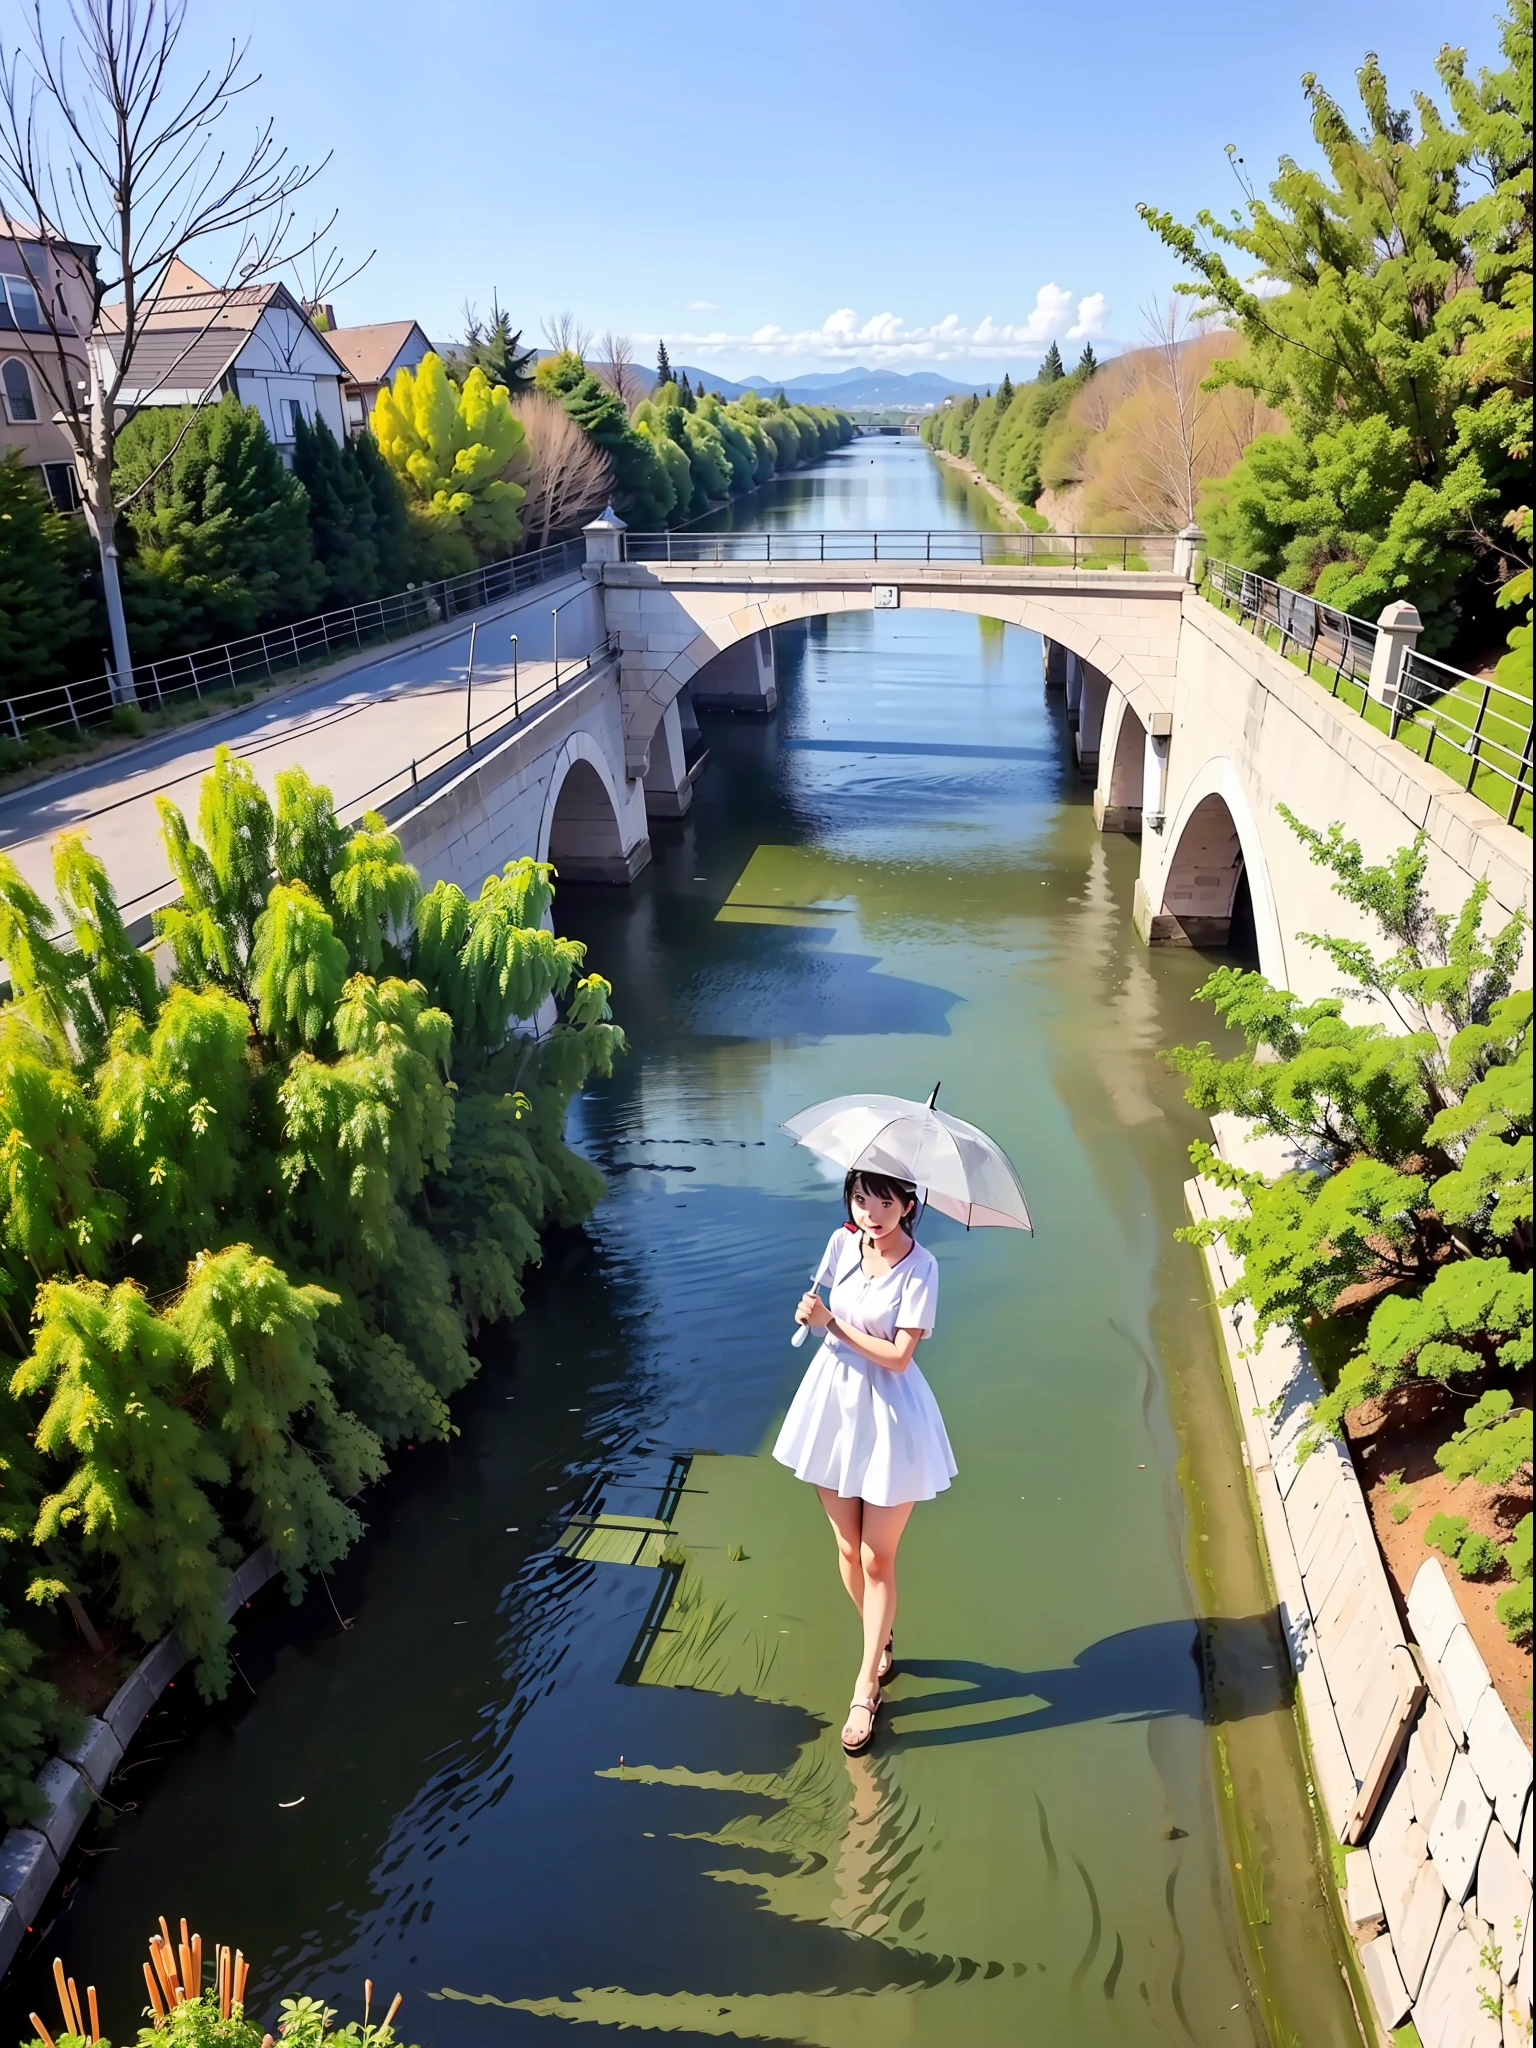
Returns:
(870, 1707)
(887, 1659)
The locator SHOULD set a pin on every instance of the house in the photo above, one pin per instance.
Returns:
(46, 294)
(372, 356)
(255, 341)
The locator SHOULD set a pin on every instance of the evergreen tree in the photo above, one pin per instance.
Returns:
(1396, 339)
(220, 531)
(496, 349)
(642, 491)
(45, 609)
(1004, 394)
(340, 513)
(1087, 362)
(394, 542)
(450, 447)
(663, 366)
(1052, 367)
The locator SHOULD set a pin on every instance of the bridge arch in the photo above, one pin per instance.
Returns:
(1122, 768)
(581, 829)
(1090, 624)
(1212, 848)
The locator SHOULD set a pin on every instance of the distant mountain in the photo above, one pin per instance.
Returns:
(856, 390)
(853, 389)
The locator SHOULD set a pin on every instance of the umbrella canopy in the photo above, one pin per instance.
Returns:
(961, 1170)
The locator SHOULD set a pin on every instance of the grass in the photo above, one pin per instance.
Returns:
(1455, 711)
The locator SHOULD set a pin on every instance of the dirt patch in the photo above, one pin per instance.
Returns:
(1394, 1454)
(88, 1678)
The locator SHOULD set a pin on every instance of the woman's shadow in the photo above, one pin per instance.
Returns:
(1218, 1669)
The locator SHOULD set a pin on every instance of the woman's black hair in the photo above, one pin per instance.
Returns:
(887, 1186)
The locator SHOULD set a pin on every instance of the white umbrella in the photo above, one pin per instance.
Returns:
(960, 1170)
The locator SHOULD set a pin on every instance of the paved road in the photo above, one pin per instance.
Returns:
(352, 732)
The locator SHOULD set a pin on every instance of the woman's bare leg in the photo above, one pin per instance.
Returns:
(846, 1517)
(880, 1532)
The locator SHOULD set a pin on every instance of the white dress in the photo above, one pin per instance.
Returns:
(869, 1433)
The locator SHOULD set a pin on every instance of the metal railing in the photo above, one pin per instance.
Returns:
(1472, 726)
(413, 783)
(259, 657)
(1131, 551)
(1468, 726)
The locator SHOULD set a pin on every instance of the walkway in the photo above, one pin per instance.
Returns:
(354, 732)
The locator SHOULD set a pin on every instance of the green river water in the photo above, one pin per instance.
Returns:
(598, 1788)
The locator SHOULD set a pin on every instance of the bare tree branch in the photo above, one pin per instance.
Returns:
(568, 475)
(616, 367)
(566, 335)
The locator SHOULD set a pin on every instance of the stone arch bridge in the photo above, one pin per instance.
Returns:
(1190, 732)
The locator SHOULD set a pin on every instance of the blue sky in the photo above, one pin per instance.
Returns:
(736, 178)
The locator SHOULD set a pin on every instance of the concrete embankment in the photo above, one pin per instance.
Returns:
(1418, 1768)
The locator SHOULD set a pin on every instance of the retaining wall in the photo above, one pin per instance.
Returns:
(31, 1856)
(1417, 1765)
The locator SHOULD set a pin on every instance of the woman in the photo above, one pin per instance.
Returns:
(864, 1428)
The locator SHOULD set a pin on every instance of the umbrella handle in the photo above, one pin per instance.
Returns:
(802, 1331)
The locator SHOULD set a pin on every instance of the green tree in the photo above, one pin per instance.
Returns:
(495, 347)
(1051, 366)
(341, 515)
(309, 1182)
(663, 365)
(46, 614)
(643, 491)
(394, 540)
(135, 1469)
(1399, 1246)
(1087, 362)
(220, 530)
(451, 447)
(1406, 456)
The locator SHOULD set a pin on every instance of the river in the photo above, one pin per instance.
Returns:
(536, 1790)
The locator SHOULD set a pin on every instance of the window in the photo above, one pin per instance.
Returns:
(62, 486)
(18, 302)
(293, 409)
(20, 405)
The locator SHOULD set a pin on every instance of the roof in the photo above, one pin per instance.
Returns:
(369, 352)
(180, 359)
(196, 305)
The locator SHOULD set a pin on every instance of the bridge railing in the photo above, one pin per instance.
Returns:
(74, 708)
(1130, 551)
(413, 781)
(1469, 726)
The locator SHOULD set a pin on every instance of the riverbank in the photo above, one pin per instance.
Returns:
(999, 497)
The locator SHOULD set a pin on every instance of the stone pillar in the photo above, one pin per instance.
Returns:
(742, 678)
(1074, 687)
(668, 785)
(1090, 719)
(1154, 776)
(605, 540)
(1189, 552)
(1397, 634)
(1054, 660)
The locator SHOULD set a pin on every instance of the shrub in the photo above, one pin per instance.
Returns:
(128, 718)
(1446, 1533)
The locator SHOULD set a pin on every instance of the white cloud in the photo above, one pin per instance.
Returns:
(703, 306)
(886, 338)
